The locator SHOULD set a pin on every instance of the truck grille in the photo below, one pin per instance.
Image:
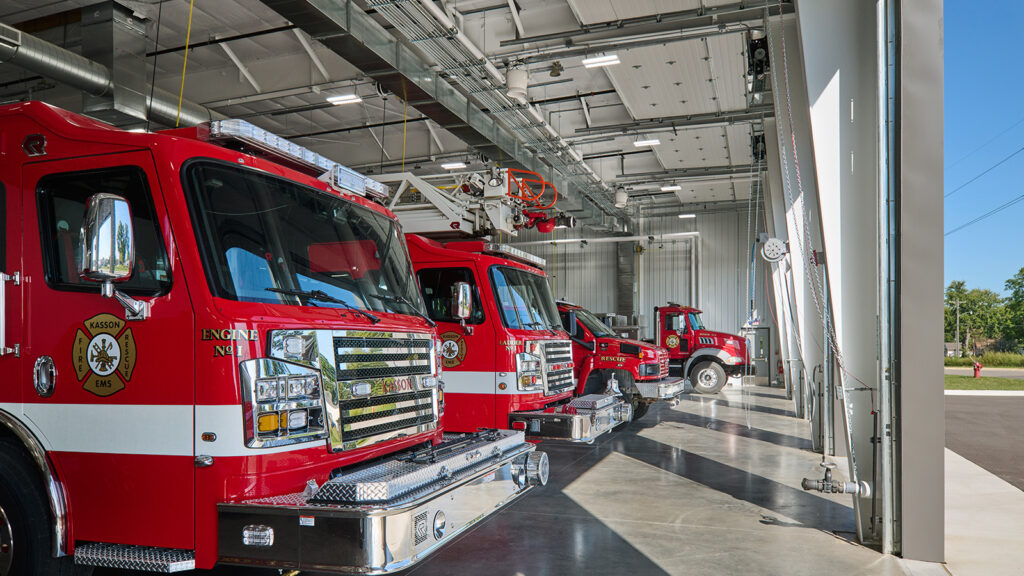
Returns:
(558, 360)
(664, 366)
(361, 357)
(365, 417)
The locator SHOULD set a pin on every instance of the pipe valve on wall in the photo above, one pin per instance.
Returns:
(830, 486)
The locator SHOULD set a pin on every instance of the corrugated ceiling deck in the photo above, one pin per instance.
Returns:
(591, 11)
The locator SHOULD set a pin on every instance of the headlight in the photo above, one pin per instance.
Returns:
(650, 369)
(528, 372)
(282, 403)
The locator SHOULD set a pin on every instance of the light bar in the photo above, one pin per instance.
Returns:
(687, 215)
(651, 142)
(453, 165)
(514, 254)
(344, 99)
(288, 153)
(599, 61)
(671, 188)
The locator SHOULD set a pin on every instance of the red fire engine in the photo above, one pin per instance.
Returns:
(707, 358)
(508, 362)
(605, 360)
(210, 355)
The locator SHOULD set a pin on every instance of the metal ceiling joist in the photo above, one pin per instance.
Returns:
(740, 12)
(690, 121)
(346, 29)
(685, 173)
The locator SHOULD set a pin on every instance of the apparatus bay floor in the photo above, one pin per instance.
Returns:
(708, 487)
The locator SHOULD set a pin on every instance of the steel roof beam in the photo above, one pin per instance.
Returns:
(689, 121)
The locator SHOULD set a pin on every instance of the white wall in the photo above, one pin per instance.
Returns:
(587, 276)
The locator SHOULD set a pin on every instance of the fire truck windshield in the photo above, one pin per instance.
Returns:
(695, 323)
(267, 239)
(524, 299)
(594, 324)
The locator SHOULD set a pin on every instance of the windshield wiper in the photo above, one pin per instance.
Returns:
(408, 304)
(324, 297)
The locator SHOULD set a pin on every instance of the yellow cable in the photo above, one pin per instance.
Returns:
(188, 36)
(405, 120)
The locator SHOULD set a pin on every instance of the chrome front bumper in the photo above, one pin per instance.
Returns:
(385, 517)
(664, 389)
(581, 420)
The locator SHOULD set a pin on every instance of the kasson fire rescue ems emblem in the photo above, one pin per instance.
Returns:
(453, 349)
(104, 354)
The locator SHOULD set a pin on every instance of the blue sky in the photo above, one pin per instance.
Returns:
(984, 99)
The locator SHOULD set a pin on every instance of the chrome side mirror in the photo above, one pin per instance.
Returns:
(108, 241)
(463, 303)
(108, 249)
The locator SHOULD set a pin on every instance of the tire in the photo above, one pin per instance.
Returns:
(707, 377)
(26, 517)
(596, 383)
(639, 409)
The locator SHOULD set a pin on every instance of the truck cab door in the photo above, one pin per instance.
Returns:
(467, 353)
(118, 421)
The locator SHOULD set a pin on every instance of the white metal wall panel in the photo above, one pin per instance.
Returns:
(584, 275)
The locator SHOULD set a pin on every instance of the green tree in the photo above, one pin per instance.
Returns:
(983, 314)
(1015, 308)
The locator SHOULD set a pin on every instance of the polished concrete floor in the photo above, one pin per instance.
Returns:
(709, 487)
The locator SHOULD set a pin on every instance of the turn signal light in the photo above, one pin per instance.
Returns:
(268, 422)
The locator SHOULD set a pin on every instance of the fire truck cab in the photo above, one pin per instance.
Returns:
(604, 360)
(707, 358)
(209, 354)
(509, 363)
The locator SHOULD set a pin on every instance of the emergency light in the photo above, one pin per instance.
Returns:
(293, 155)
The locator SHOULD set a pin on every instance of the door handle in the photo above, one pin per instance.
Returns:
(4, 279)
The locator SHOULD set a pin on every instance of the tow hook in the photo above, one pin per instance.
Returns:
(673, 401)
(830, 486)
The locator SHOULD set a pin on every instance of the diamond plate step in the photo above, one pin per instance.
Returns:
(593, 401)
(145, 558)
(394, 477)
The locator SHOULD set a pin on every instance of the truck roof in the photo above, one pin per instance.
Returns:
(68, 133)
(480, 250)
(678, 308)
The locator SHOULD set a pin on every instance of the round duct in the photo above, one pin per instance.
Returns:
(517, 79)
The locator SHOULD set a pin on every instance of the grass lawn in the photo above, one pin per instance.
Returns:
(983, 383)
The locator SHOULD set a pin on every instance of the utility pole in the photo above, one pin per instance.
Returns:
(957, 302)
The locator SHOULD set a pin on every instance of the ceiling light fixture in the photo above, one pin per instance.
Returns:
(650, 142)
(687, 215)
(671, 188)
(599, 61)
(344, 99)
(453, 165)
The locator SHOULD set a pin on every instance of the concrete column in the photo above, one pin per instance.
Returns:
(839, 45)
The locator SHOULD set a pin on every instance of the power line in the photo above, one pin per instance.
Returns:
(987, 142)
(986, 214)
(989, 169)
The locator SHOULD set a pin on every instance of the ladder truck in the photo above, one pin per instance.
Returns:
(507, 359)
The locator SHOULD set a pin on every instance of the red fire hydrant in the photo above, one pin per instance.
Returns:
(977, 369)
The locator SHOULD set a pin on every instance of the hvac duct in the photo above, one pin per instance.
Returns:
(95, 79)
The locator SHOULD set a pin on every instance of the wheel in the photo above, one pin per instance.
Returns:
(639, 409)
(707, 377)
(26, 536)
